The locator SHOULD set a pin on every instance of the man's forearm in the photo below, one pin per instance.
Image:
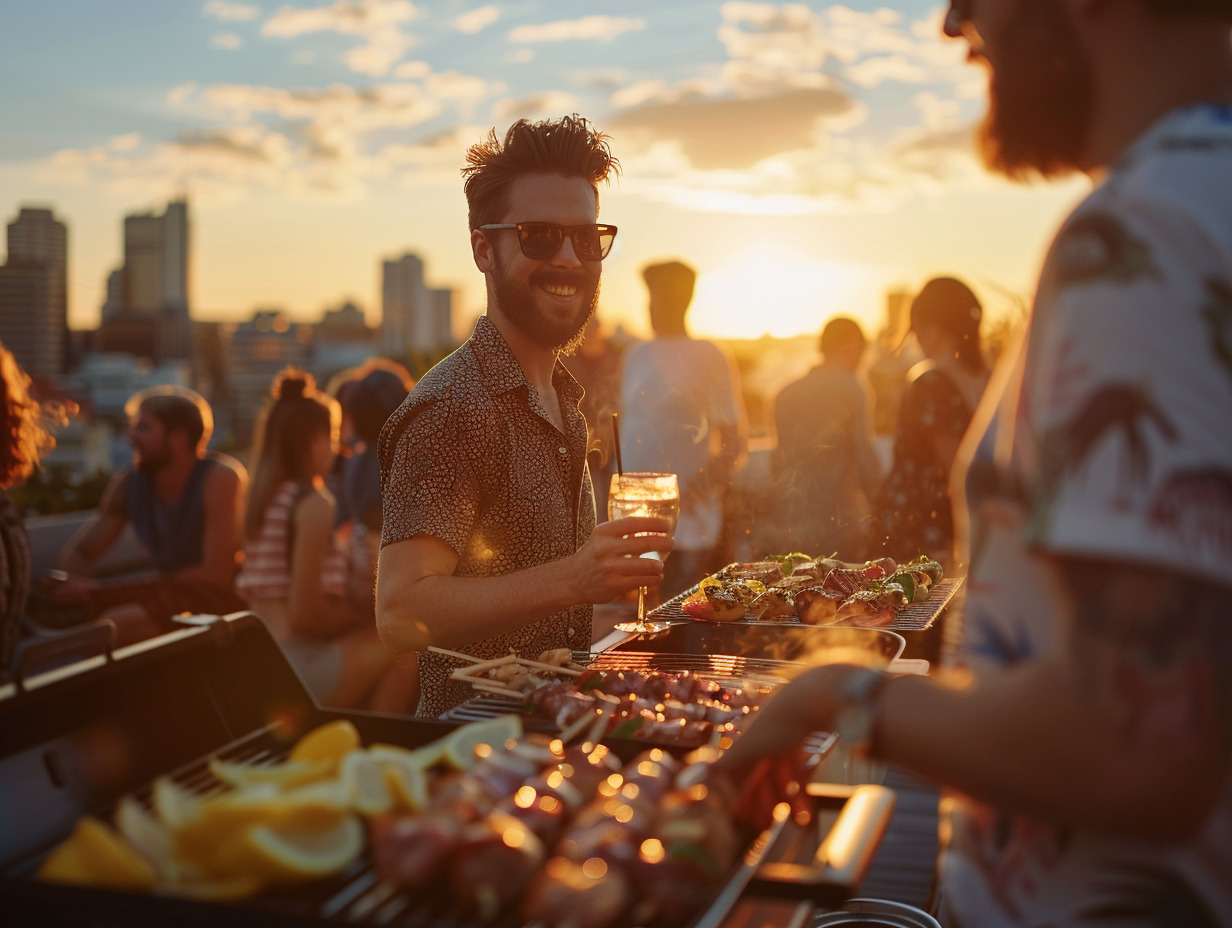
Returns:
(450, 612)
(1032, 740)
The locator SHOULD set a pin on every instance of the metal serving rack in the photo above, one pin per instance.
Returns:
(916, 617)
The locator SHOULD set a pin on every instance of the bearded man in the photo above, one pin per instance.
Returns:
(1090, 735)
(488, 535)
(185, 505)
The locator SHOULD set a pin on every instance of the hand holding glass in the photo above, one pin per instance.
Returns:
(642, 494)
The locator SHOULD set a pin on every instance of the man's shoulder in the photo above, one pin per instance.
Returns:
(225, 467)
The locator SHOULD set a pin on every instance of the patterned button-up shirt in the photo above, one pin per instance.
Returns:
(472, 458)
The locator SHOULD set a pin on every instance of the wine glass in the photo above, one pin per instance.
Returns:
(644, 494)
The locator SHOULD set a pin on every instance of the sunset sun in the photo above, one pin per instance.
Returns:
(772, 291)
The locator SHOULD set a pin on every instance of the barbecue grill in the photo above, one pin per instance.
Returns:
(75, 739)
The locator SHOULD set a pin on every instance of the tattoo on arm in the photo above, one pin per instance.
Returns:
(1157, 642)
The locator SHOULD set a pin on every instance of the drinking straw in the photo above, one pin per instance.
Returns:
(616, 438)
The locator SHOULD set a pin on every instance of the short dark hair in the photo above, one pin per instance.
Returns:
(569, 146)
(839, 333)
(1214, 10)
(176, 408)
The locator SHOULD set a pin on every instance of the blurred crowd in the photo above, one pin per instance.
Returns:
(295, 534)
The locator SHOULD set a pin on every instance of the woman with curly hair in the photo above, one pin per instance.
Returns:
(294, 576)
(25, 441)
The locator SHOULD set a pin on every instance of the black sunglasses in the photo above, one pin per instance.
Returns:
(541, 240)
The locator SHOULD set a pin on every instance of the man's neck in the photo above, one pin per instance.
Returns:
(1150, 69)
(537, 363)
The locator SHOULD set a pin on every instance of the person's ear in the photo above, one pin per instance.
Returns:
(481, 251)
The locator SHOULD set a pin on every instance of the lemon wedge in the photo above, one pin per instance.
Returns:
(330, 742)
(94, 855)
(363, 780)
(280, 854)
(292, 773)
(145, 833)
(407, 780)
(458, 747)
(174, 805)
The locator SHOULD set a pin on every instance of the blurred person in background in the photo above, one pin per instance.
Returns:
(1091, 741)
(942, 392)
(377, 389)
(681, 413)
(185, 505)
(824, 467)
(26, 439)
(489, 541)
(294, 575)
(596, 365)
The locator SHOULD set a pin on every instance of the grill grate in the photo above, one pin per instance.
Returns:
(915, 618)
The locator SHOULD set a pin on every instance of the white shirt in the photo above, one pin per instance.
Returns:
(675, 393)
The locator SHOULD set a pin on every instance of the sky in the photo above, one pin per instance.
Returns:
(804, 157)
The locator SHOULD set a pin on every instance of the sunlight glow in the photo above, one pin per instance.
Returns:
(774, 292)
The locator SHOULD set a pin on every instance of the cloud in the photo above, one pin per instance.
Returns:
(126, 142)
(538, 106)
(226, 41)
(734, 134)
(478, 19)
(230, 12)
(378, 22)
(600, 28)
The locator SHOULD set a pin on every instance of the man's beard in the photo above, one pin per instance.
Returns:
(150, 463)
(517, 301)
(1041, 96)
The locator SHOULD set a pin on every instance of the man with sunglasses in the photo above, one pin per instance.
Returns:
(1096, 726)
(488, 537)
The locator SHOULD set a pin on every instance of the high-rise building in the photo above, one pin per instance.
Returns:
(151, 291)
(415, 318)
(34, 292)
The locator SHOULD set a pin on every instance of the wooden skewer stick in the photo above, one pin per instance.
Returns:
(469, 658)
(481, 666)
(553, 668)
(496, 690)
(574, 728)
(596, 729)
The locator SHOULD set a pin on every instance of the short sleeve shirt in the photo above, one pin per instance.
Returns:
(1113, 441)
(674, 392)
(472, 459)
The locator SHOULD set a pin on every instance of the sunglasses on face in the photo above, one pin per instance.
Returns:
(541, 240)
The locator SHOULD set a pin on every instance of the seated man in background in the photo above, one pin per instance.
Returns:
(185, 506)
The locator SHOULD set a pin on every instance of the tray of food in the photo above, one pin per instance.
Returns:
(799, 589)
(680, 708)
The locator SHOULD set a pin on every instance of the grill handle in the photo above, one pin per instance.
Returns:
(843, 858)
(92, 640)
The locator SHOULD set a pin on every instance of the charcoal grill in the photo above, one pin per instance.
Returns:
(74, 740)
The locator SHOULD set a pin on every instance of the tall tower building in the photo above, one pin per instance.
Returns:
(415, 318)
(152, 289)
(34, 292)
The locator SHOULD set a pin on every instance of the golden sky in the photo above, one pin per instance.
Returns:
(804, 157)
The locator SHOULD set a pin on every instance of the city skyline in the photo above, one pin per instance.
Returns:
(804, 157)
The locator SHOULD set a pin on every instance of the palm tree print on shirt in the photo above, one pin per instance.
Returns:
(1111, 409)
